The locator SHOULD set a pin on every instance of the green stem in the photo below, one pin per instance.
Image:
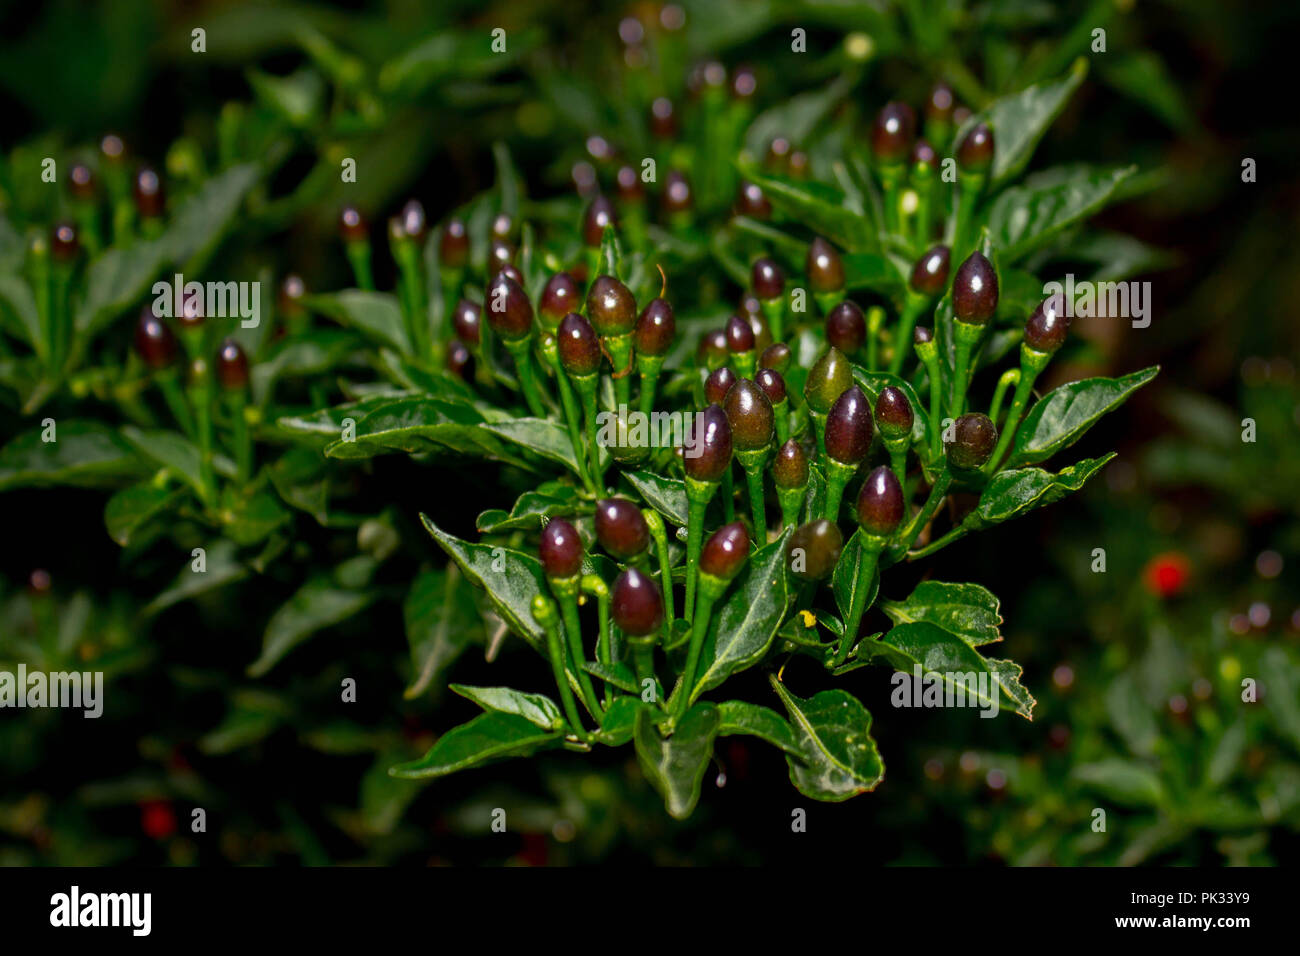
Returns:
(913, 528)
(791, 501)
(837, 479)
(698, 495)
(953, 535)
(358, 254)
(754, 478)
(586, 386)
(643, 659)
(871, 548)
(660, 536)
(544, 614)
(774, 312)
(573, 628)
(237, 401)
(1010, 377)
(1032, 363)
(201, 395)
(912, 310)
(728, 496)
(521, 351)
(699, 629)
(573, 423)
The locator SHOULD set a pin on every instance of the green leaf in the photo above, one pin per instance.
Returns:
(86, 454)
(541, 436)
(533, 509)
(1127, 782)
(535, 708)
(1020, 120)
(619, 722)
(510, 578)
(17, 295)
(797, 116)
(844, 579)
(675, 765)
(489, 736)
(1010, 494)
(117, 280)
(296, 98)
(168, 450)
(665, 495)
(618, 675)
(872, 272)
(837, 757)
(131, 508)
(1142, 76)
(1131, 716)
(1026, 216)
(981, 681)
(744, 628)
(509, 187)
(421, 426)
(204, 217)
(742, 717)
(250, 519)
(433, 604)
(221, 567)
(377, 314)
(1061, 418)
(819, 207)
(969, 611)
(318, 604)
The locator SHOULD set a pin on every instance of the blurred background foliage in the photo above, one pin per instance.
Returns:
(1137, 670)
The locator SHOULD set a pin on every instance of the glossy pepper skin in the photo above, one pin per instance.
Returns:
(64, 243)
(147, 190)
(154, 340)
(232, 365)
(894, 413)
(975, 153)
(749, 412)
(725, 552)
(740, 336)
(467, 322)
(709, 453)
(656, 328)
(578, 345)
(767, 279)
(600, 213)
(611, 308)
(637, 606)
(824, 266)
(776, 356)
(892, 133)
(974, 438)
(751, 202)
(352, 225)
(849, 428)
(508, 310)
(880, 503)
(560, 297)
(712, 351)
(453, 245)
(846, 327)
(1047, 327)
(930, 273)
(621, 529)
(790, 467)
(772, 384)
(975, 290)
(560, 549)
(814, 549)
(718, 384)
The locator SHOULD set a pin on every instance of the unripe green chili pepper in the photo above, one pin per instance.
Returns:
(827, 380)
(814, 550)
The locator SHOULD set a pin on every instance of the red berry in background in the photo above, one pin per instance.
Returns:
(292, 290)
(778, 154)
(846, 327)
(677, 196)
(154, 340)
(157, 819)
(560, 297)
(64, 244)
(232, 365)
(893, 132)
(467, 321)
(725, 551)
(414, 223)
(600, 213)
(560, 549)
(767, 279)
(459, 361)
(1166, 575)
(975, 154)
(508, 310)
(636, 605)
(453, 245)
(824, 266)
(352, 225)
(628, 182)
(663, 120)
(147, 190)
(81, 181)
(930, 273)
(578, 345)
(621, 529)
(751, 202)
(776, 357)
(718, 384)
(939, 104)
